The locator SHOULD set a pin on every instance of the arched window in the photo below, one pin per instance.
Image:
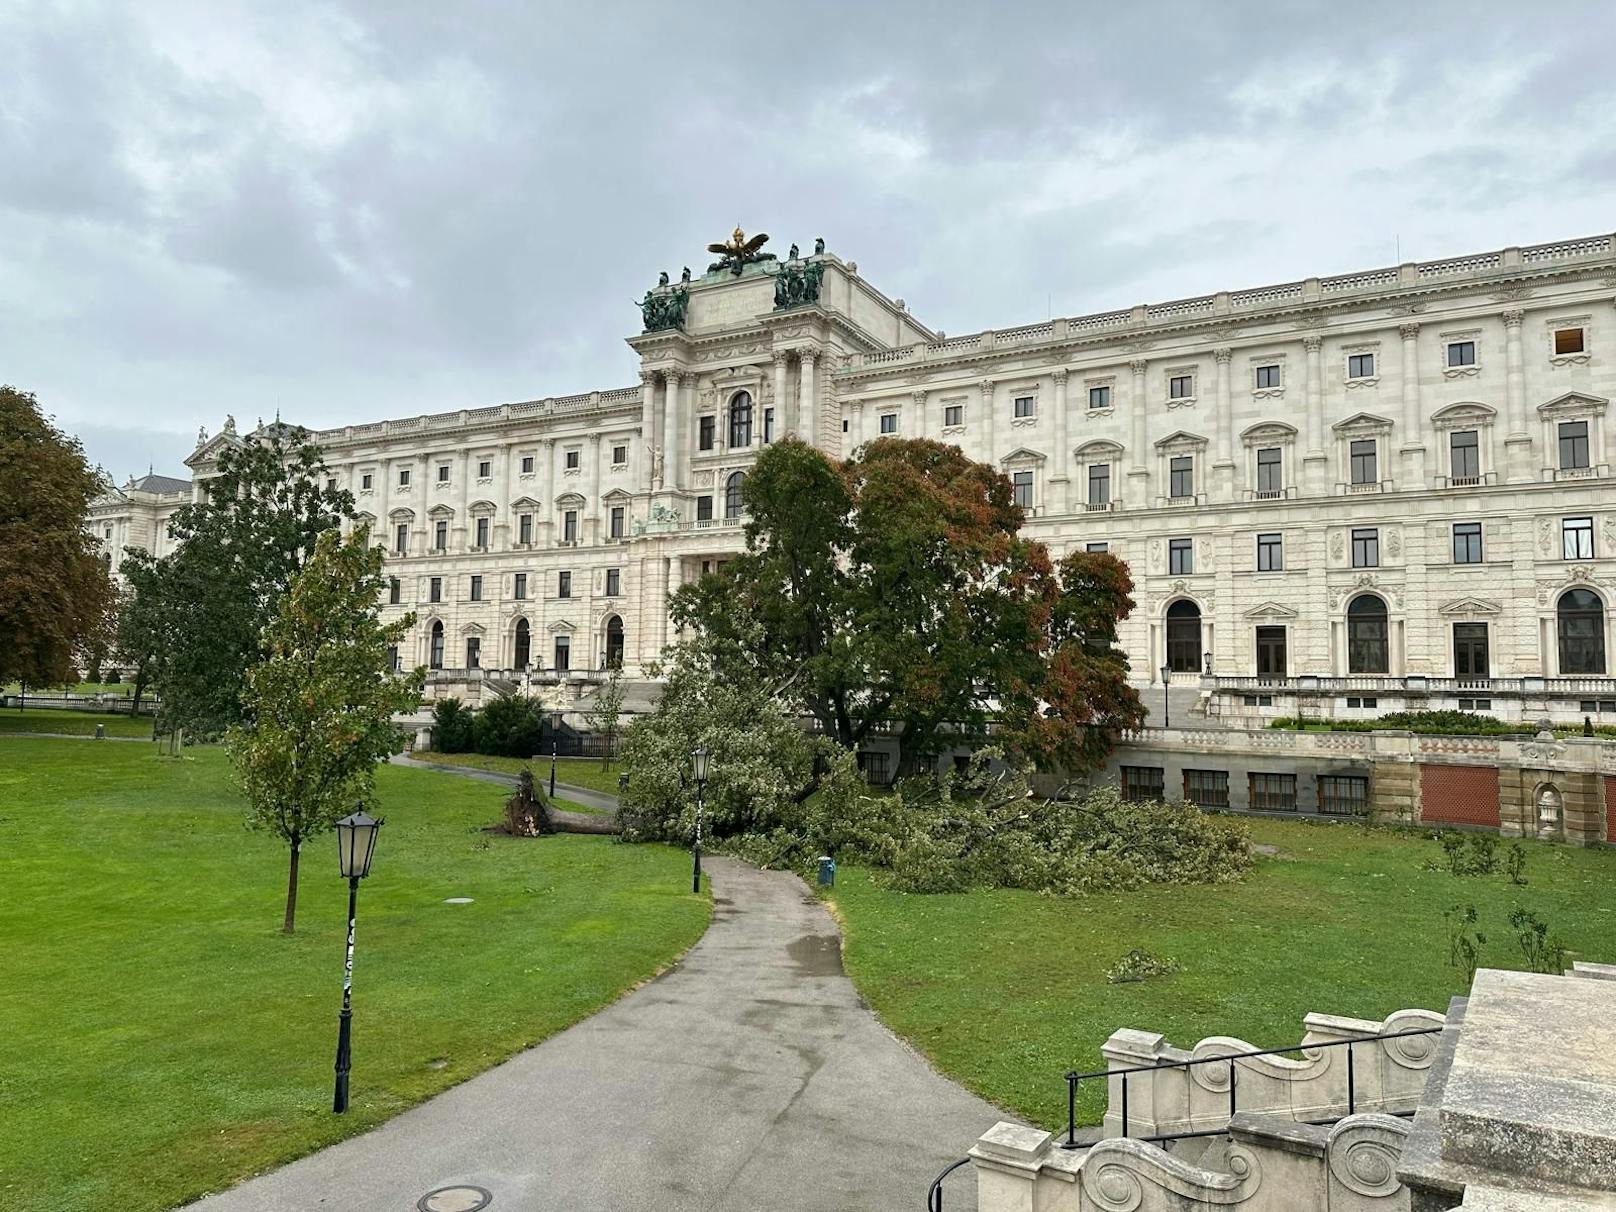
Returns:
(740, 419)
(1581, 621)
(614, 642)
(436, 658)
(732, 494)
(524, 644)
(1184, 637)
(1368, 648)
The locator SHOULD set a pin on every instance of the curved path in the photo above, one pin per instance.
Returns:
(749, 1076)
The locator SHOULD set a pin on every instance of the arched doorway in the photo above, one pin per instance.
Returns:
(1580, 624)
(1368, 635)
(614, 642)
(1184, 637)
(524, 644)
(435, 658)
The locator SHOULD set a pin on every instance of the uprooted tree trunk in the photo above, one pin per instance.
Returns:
(529, 813)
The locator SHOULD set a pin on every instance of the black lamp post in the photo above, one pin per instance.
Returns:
(698, 764)
(1167, 673)
(555, 741)
(356, 842)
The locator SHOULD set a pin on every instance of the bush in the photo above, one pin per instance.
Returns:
(451, 726)
(1434, 723)
(510, 726)
(1140, 965)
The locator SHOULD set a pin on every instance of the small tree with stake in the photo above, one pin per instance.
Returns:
(321, 704)
(606, 716)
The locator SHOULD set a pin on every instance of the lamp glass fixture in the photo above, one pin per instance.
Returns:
(356, 843)
(698, 762)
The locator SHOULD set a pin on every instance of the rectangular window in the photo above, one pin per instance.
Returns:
(1366, 548)
(1361, 366)
(331, 484)
(1569, 341)
(1207, 788)
(574, 460)
(1467, 542)
(563, 584)
(874, 765)
(768, 425)
(1461, 353)
(614, 582)
(519, 587)
(1573, 445)
(1097, 548)
(1577, 538)
(485, 470)
(569, 526)
(1180, 387)
(1464, 456)
(482, 534)
(1180, 556)
(1023, 406)
(619, 456)
(440, 536)
(476, 588)
(404, 478)
(1365, 466)
(1270, 472)
(365, 481)
(401, 539)
(474, 652)
(1181, 476)
(443, 473)
(1343, 794)
(563, 653)
(1272, 792)
(524, 529)
(889, 422)
(435, 590)
(392, 657)
(1267, 376)
(1142, 783)
(615, 521)
(706, 431)
(1100, 397)
(1099, 485)
(953, 414)
(394, 591)
(704, 509)
(1270, 553)
(527, 465)
(1023, 485)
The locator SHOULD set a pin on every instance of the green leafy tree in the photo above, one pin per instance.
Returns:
(896, 587)
(141, 637)
(453, 724)
(605, 714)
(238, 550)
(55, 592)
(320, 706)
(509, 725)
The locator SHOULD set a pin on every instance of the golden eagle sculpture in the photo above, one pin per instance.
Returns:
(739, 251)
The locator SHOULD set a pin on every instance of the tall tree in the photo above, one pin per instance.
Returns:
(55, 592)
(320, 706)
(896, 587)
(239, 548)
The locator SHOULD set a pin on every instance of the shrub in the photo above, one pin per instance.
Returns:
(1543, 952)
(1464, 940)
(1436, 723)
(451, 726)
(509, 726)
(1140, 965)
(1475, 854)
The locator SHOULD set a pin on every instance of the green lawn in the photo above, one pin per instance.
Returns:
(162, 1038)
(580, 772)
(1005, 991)
(72, 723)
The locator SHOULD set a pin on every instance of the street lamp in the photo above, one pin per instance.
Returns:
(1167, 673)
(698, 763)
(356, 842)
(555, 741)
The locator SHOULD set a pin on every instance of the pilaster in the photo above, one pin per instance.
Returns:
(649, 425)
(1138, 470)
(1058, 498)
(1412, 451)
(786, 411)
(1316, 461)
(808, 398)
(1223, 469)
(1517, 436)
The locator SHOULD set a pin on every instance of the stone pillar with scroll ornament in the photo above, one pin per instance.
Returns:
(1517, 429)
(1139, 462)
(1316, 461)
(1058, 496)
(785, 414)
(1223, 469)
(808, 399)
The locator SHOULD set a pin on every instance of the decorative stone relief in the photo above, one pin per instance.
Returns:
(1394, 542)
(1545, 537)
(1364, 1152)
(1338, 545)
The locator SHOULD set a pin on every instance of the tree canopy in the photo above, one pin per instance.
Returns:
(896, 587)
(55, 591)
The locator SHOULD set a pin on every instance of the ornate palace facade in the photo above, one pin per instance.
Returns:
(1392, 485)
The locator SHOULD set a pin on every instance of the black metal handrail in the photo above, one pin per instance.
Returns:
(1073, 1079)
(934, 1195)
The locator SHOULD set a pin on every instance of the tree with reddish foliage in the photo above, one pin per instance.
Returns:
(896, 588)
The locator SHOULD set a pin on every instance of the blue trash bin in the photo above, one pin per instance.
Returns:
(827, 872)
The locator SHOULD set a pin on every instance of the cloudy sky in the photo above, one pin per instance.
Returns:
(348, 211)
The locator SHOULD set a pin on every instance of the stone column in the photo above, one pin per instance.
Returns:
(423, 523)
(1316, 462)
(680, 441)
(784, 417)
(670, 431)
(1413, 435)
(1517, 435)
(648, 429)
(923, 425)
(1223, 477)
(549, 528)
(808, 398)
(592, 528)
(856, 424)
(1139, 470)
(462, 527)
(990, 420)
(1057, 499)
(667, 599)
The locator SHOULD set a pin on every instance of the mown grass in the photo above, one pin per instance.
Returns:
(163, 1038)
(580, 772)
(1006, 991)
(72, 723)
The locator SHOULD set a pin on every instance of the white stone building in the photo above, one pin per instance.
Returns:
(1383, 487)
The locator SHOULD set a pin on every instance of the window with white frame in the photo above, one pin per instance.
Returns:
(1022, 480)
(1181, 387)
(1467, 542)
(569, 526)
(527, 465)
(573, 459)
(1181, 476)
(443, 473)
(616, 521)
(1573, 437)
(1023, 406)
(1180, 556)
(404, 478)
(614, 582)
(1270, 553)
(485, 469)
(1366, 547)
(1363, 461)
(366, 482)
(476, 588)
(1099, 485)
(953, 414)
(1100, 396)
(524, 529)
(1464, 456)
(1267, 376)
(620, 455)
(1577, 538)
(1361, 366)
(440, 535)
(1461, 353)
(482, 534)
(1270, 471)
(889, 422)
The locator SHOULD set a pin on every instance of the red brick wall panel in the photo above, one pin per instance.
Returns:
(1459, 795)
